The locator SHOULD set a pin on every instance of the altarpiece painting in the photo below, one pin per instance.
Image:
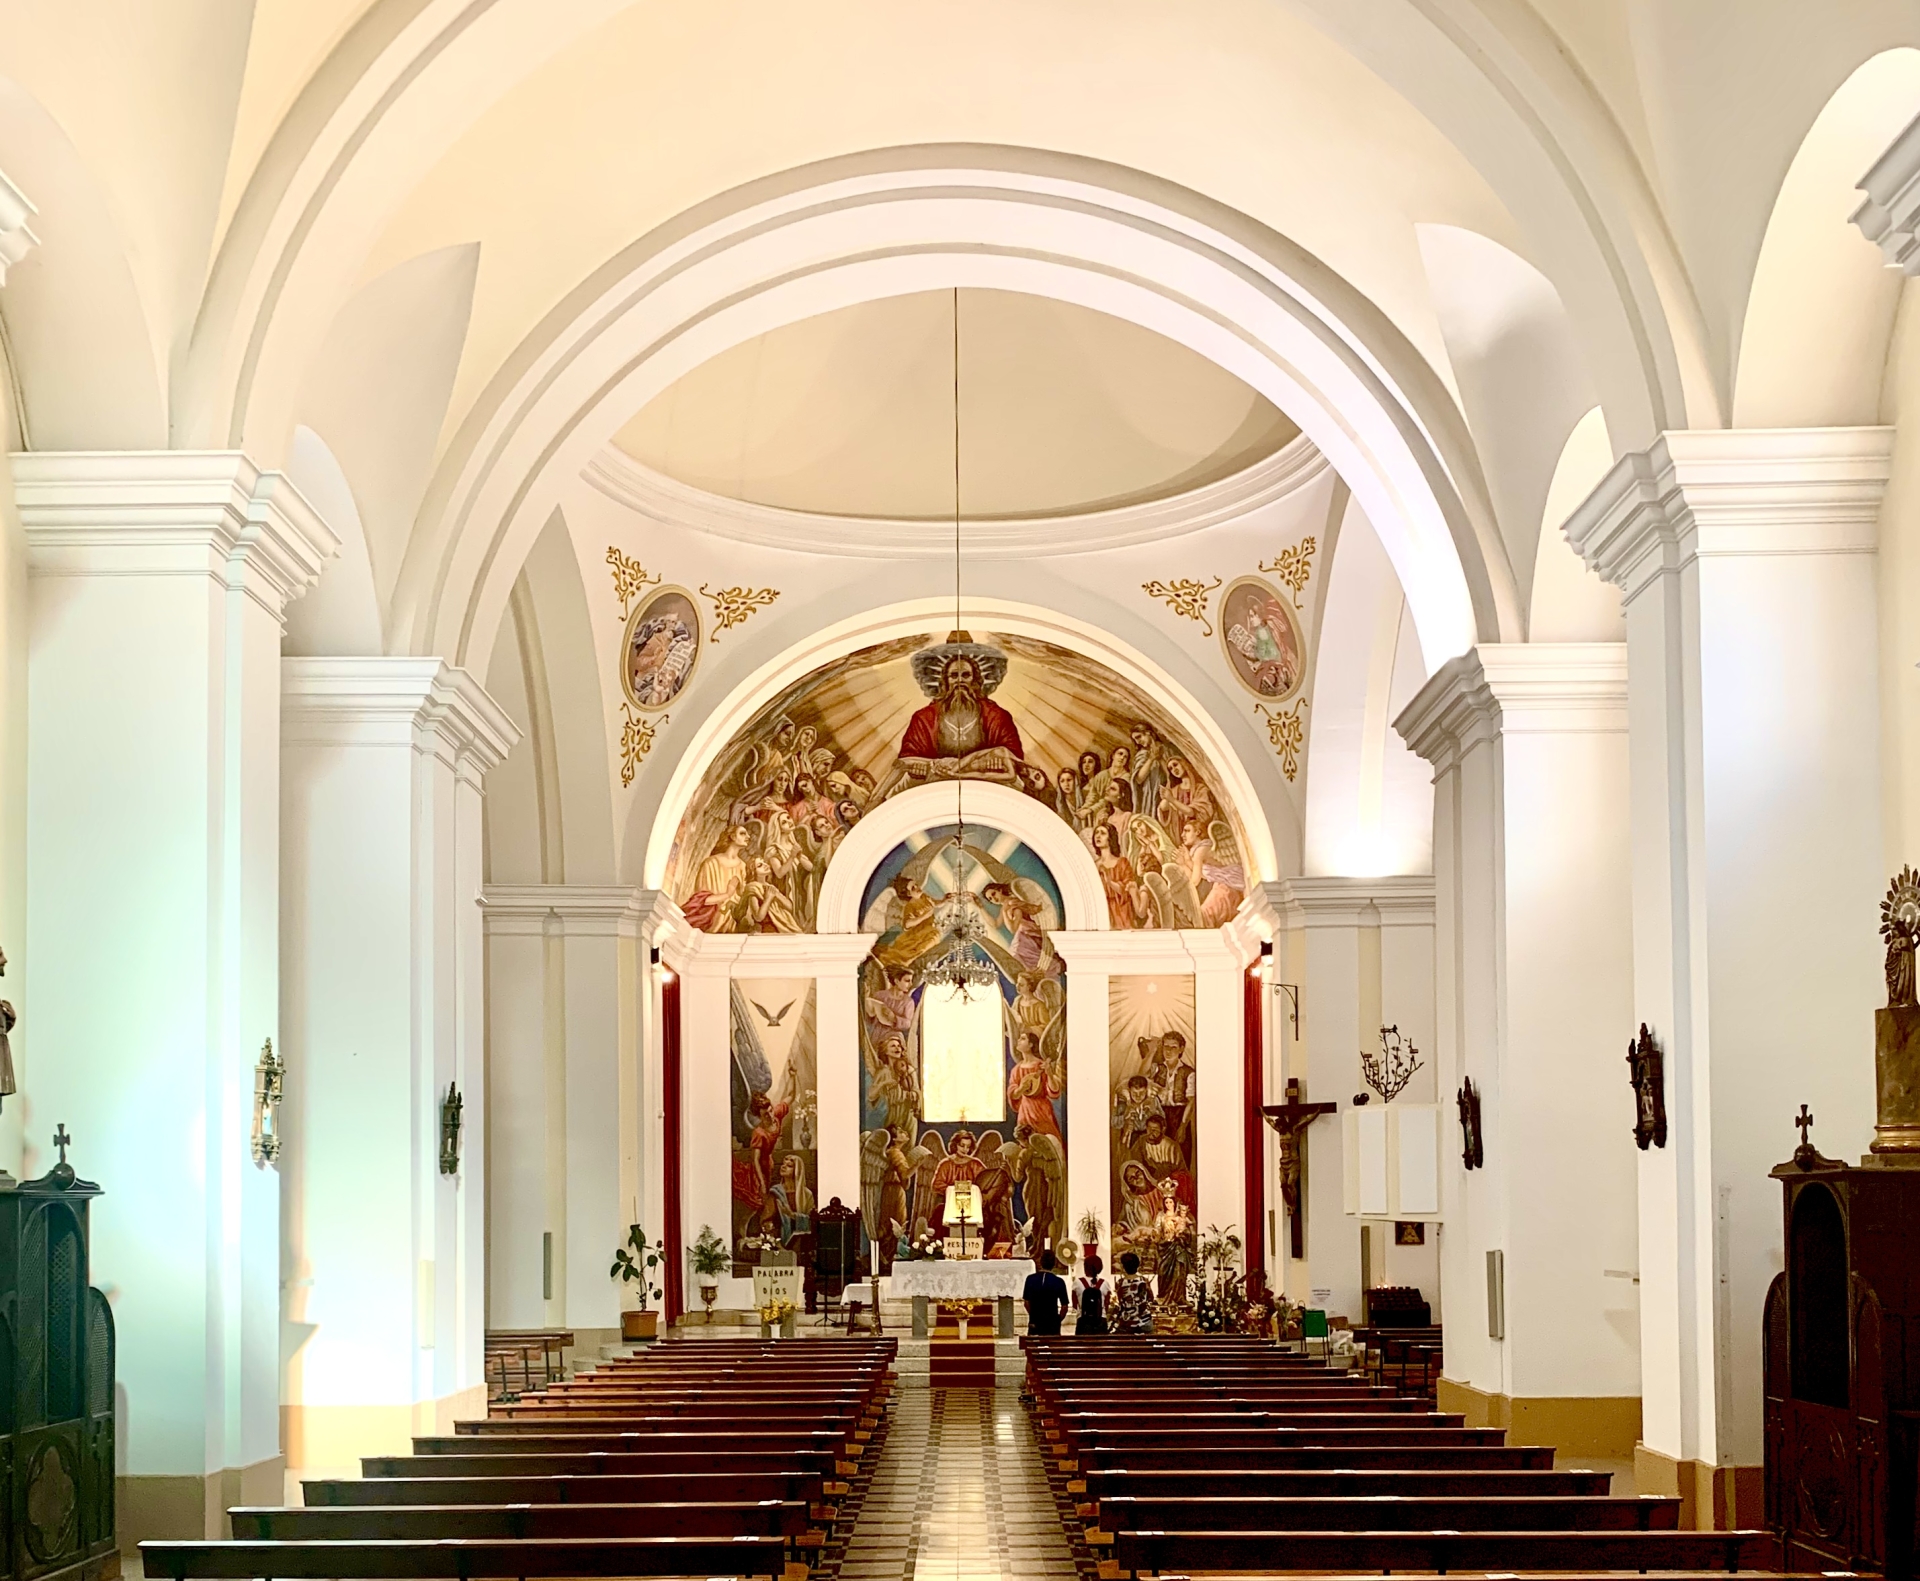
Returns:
(941, 1104)
(774, 1109)
(1151, 1044)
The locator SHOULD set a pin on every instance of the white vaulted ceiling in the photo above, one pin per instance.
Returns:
(851, 413)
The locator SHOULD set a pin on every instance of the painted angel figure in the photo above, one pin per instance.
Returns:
(886, 1185)
(1038, 1163)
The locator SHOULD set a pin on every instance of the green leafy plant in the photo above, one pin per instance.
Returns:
(635, 1263)
(710, 1254)
(1088, 1228)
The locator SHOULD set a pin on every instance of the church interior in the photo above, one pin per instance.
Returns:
(927, 792)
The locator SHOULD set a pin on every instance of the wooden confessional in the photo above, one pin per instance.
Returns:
(56, 1385)
(1842, 1335)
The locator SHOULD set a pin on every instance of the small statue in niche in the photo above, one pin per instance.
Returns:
(1900, 927)
(8, 1021)
(1646, 1070)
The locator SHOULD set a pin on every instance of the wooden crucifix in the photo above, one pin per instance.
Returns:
(1290, 1121)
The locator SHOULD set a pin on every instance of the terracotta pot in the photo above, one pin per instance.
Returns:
(639, 1325)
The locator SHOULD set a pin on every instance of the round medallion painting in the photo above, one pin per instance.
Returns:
(1261, 636)
(662, 645)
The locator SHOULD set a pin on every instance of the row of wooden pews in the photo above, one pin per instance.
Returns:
(1210, 1453)
(721, 1459)
(518, 1360)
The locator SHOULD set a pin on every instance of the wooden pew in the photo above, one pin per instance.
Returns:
(1329, 1457)
(1344, 1482)
(1392, 1513)
(1134, 1551)
(787, 1518)
(637, 1463)
(493, 1558)
(700, 1486)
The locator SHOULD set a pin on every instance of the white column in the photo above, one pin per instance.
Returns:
(1747, 563)
(706, 963)
(383, 1005)
(559, 1108)
(834, 960)
(1529, 749)
(158, 583)
(1219, 958)
(663, 932)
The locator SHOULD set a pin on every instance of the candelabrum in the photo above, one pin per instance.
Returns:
(1389, 1071)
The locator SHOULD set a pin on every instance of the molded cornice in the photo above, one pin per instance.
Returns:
(1296, 465)
(1338, 901)
(1516, 687)
(1739, 491)
(384, 700)
(170, 513)
(1890, 216)
(16, 236)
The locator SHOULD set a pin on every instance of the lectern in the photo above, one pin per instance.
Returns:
(56, 1382)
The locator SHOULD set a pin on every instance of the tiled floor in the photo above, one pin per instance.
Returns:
(959, 1493)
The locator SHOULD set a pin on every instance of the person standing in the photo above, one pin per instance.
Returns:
(1090, 1297)
(1132, 1298)
(1045, 1297)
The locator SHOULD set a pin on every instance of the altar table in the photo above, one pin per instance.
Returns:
(999, 1279)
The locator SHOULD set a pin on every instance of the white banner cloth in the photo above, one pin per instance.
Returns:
(942, 1280)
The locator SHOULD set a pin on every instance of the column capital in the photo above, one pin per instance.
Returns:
(209, 513)
(1697, 493)
(390, 700)
(581, 909)
(1890, 216)
(1387, 901)
(16, 235)
(1512, 688)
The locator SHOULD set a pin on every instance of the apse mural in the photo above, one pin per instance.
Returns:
(774, 1112)
(1150, 1064)
(765, 821)
(962, 1086)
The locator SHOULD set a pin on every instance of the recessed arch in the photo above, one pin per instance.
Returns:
(874, 837)
(908, 220)
(731, 715)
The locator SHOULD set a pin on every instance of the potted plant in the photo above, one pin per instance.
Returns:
(1088, 1228)
(710, 1260)
(777, 1313)
(635, 1263)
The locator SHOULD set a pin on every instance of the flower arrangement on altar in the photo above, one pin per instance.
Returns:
(924, 1247)
(762, 1244)
(776, 1311)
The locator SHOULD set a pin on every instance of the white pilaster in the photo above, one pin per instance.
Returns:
(1358, 952)
(158, 585)
(563, 1111)
(1220, 1065)
(1528, 745)
(1747, 563)
(384, 1005)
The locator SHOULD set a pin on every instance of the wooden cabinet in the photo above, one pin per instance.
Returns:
(56, 1385)
(1842, 1377)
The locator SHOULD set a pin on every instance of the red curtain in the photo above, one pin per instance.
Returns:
(670, 1096)
(1255, 1234)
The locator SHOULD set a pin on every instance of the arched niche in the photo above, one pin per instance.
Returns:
(878, 834)
(781, 790)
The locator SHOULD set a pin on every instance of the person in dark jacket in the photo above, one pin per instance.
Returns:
(1045, 1295)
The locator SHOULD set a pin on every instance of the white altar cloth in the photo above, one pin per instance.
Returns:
(978, 1280)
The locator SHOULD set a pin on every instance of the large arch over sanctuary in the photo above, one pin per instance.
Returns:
(628, 622)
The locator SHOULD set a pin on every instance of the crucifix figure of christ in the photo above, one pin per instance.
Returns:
(1290, 1121)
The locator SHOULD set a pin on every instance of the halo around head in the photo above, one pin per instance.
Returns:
(930, 664)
